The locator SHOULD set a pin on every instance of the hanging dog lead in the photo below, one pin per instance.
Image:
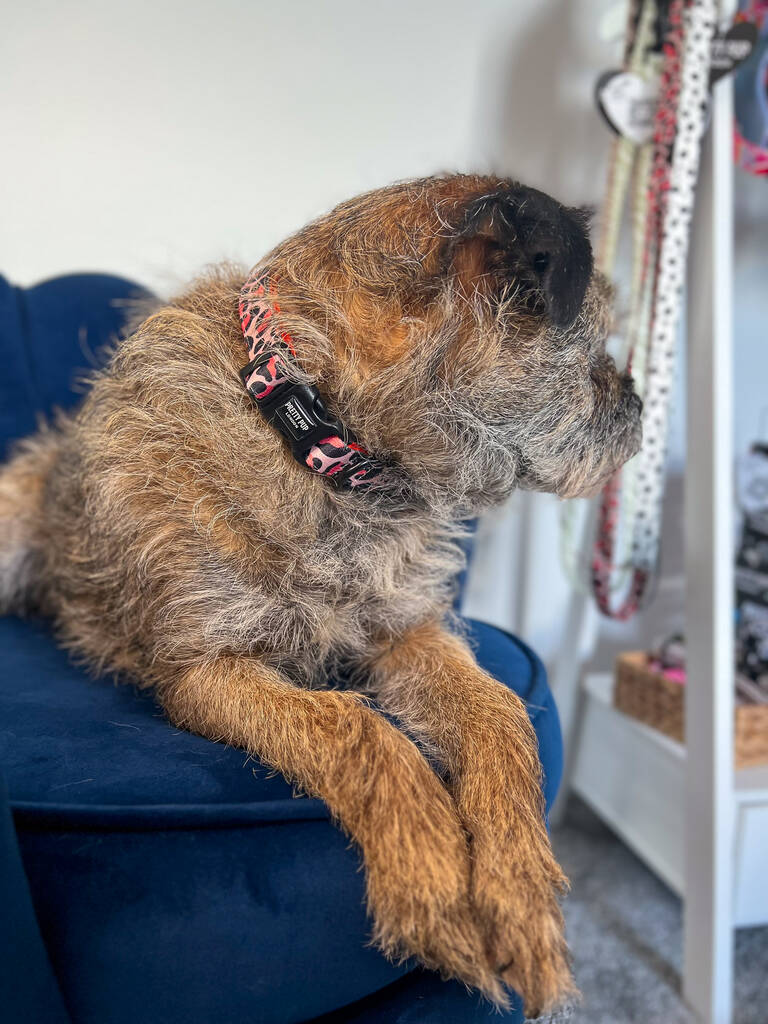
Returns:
(688, 116)
(628, 160)
(672, 262)
(618, 507)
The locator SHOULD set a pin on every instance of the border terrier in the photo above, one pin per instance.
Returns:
(235, 539)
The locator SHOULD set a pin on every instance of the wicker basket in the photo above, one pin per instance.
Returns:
(660, 703)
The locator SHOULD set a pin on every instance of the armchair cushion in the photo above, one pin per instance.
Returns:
(174, 879)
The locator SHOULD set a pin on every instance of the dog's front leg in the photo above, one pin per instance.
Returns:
(432, 683)
(377, 785)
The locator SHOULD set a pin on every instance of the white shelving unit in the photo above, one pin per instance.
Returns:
(699, 825)
(635, 778)
(710, 810)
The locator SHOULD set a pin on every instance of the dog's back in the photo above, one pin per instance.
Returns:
(163, 524)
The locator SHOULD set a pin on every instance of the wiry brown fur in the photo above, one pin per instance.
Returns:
(172, 537)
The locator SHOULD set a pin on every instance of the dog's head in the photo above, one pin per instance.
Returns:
(458, 326)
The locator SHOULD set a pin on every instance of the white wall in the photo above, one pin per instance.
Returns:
(150, 138)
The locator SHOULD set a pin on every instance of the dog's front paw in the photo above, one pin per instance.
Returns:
(516, 883)
(439, 929)
(419, 876)
(516, 886)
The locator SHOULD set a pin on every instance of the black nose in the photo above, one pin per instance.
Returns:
(550, 244)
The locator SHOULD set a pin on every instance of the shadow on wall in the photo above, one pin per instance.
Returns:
(543, 127)
(538, 122)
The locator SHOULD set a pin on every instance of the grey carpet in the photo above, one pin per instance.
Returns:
(625, 932)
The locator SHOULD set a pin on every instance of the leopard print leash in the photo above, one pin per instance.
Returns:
(295, 409)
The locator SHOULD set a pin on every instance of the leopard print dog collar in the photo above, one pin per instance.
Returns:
(294, 409)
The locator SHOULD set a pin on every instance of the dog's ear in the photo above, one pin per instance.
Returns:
(521, 238)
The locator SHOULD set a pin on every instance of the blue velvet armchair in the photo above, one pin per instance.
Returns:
(148, 875)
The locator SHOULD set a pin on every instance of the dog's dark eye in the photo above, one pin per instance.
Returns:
(540, 262)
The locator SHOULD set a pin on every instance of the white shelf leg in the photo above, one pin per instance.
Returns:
(708, 915)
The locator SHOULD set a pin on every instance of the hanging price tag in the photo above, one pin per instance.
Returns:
(732, 48)
(628, 103)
